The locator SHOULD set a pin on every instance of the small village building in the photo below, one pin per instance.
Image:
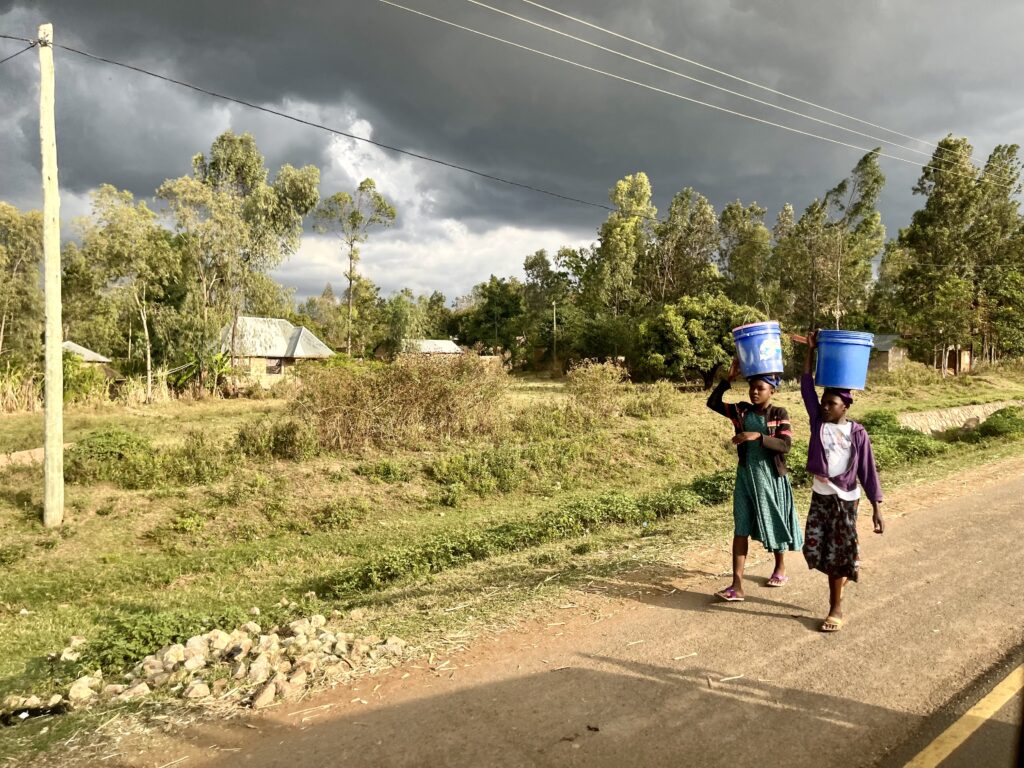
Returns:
(889, 353)
(431, 347)
(266, 348)
(86, 355)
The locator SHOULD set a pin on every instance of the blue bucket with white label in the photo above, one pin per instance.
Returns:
(759, 348)
(843, 358)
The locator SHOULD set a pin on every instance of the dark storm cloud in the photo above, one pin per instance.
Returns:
(925, 69)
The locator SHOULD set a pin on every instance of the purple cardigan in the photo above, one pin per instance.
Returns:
(862, 464)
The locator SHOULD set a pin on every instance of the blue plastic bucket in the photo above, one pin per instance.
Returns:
(759, 348)
(843, 358)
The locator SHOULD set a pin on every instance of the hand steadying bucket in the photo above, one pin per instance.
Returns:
(843, 358)
(759, 348)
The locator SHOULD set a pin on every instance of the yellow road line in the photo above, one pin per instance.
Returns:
(951, 738)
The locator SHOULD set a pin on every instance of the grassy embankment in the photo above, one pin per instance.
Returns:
(132, 567)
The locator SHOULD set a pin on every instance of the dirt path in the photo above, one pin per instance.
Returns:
(651, 671)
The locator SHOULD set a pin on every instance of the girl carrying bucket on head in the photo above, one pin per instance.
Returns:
(763, 506)
(839, 455)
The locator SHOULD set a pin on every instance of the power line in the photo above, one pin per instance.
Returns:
(665, 92)
(335, 131)
(734, 77)
(19, 39)
(15, 55)
(677, 73)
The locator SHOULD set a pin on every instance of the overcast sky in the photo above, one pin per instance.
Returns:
(376, 71)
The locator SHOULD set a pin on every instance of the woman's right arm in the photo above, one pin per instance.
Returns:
(810, 395)
(715, 402)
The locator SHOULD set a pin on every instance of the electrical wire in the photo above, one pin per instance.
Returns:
(737, 78)
(15, 55)
(706, 83)
(19, 39)
(334, 131)
(673, 94)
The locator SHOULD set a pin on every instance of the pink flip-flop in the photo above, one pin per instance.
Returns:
(777, 581)
(730, 595)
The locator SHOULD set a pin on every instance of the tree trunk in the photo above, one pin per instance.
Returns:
(149, 359)
(3, 328)
(351, 282)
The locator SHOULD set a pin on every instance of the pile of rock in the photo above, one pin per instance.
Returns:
(246, 665)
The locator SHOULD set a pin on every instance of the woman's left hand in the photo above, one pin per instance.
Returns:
(876, 519)
(743, 437)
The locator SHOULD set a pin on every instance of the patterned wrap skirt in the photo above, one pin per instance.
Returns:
(830, 542)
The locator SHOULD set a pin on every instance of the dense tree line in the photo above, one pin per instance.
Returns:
(661, 291)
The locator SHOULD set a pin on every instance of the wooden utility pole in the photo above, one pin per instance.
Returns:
(53, 403)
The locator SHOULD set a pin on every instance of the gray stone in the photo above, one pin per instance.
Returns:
(240, 649)
(171, 656)
(395, 645)
(240, 671)
(252, 628)
(198, 690)
(195, 663)
(80, 694)
(68, 654)
(254, 611)
(114, 689)
(219, 640)
(12, 703)
(300, 627)
(298, 678)
(197, 645)
(260, 669)
(32, 702)
(54, 700)
(357, 615)
(160, 680)
(265, 696)
(268, 643)
(316, 621)
(135, 692)
(341, 647)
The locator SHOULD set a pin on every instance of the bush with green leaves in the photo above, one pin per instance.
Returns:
(289, 439)
(198, 461)
(895, 445)
(596, 388)
(1006, 422)
(130, 635)
(716, 487)
(113, 455)
(384, 470)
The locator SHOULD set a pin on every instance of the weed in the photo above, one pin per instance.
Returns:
(716, 487)
(597, 388)
(385, 470)
(112, 455)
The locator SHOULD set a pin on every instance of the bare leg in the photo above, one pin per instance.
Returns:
(739, 561)
(835, 603)
(780, 564)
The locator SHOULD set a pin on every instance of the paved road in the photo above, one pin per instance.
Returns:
(665, 676)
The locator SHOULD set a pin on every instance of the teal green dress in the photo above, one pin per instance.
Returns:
(763, 505)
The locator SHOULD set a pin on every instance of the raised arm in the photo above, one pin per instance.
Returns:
(715, 402)
(810, 395)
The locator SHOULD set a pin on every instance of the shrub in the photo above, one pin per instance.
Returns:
(83, 383)
(288, 439)
(1006, 422)
(675, 500)
(404, 403)
(646, 401)
(894, 445)
(597, 388)
(127, 637)
(196, 462)
(715, 488)
(385, 470)
(112, 455)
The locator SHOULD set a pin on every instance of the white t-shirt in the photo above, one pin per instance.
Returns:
(835, 438)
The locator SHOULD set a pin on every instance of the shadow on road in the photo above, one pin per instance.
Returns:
(605, 712)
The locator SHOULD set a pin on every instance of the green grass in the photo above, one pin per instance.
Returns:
(407, 534)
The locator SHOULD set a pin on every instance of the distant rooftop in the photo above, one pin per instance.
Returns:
(431, 346)
(884, 342)
(272, 337)
(86, 354)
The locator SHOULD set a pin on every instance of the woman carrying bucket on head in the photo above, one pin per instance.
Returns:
(763, 506)
(838, 457)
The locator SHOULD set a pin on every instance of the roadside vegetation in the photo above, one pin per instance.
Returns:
(284, 506)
